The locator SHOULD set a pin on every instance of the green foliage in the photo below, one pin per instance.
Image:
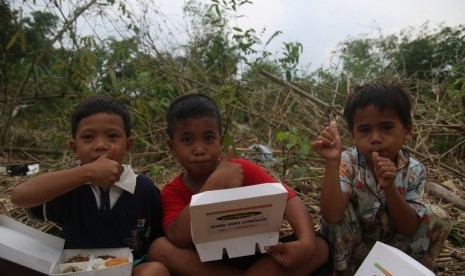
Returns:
(360, 59)
(291, 58)
(425, 55)
(156, 169)
(432, 52)
(212, 59)
(47, 67)
(295, 150)
(26, 63)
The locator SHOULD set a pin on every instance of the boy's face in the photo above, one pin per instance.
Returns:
(379, 131)
(96, 134)
(197, 144)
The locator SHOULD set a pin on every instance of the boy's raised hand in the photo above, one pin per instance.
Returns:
(106, 171)
(227, 174)
(328, 144)
(385, 170)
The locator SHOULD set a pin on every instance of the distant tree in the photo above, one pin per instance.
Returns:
(210, 52)
(41, 71)
(421, 53)
(26, 53)
(432, 53)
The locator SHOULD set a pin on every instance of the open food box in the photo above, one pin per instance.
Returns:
(237, 221)
(43, 252)
(385, 260)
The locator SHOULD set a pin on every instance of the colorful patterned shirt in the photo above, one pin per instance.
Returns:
(368, 199)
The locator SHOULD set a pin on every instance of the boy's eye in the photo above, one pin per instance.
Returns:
(210, 138)
(186, 140)
(386, 127)
(113, 136)
(363, 129)
(87, 137)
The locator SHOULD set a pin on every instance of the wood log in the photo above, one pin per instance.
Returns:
(439, 192)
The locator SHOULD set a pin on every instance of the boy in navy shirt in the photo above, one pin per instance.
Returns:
(100, 203)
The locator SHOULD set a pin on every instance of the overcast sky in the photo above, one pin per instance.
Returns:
(319, 25)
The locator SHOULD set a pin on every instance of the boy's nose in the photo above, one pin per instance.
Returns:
(199, 150)
(376, 137)
(101, 144)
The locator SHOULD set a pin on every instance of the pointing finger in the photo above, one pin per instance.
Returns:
(374, 155)
(333, 128)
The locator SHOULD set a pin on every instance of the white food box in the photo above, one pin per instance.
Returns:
(385, 260)
(43, 252)
(237, 220)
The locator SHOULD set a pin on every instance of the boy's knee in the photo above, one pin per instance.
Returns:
(322, 250)
(150, 269)
(438, 228)
(158, 248)
(439, 220)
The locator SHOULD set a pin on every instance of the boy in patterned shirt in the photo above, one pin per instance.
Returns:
(373, 191)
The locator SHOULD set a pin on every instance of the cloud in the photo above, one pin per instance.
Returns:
(321, 24)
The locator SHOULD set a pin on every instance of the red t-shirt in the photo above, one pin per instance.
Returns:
(176, 195)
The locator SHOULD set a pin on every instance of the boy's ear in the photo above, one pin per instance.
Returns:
(129, 143)
(72, 146)
(221, 140)
(169, 142)
(408, 132)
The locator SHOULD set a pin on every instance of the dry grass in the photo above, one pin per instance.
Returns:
(285, 107)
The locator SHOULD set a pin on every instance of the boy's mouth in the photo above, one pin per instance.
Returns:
(200, 162)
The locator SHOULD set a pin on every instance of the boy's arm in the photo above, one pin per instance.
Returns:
(294, 254)
(333, 202)
(402, 214)
(178, 232)
(226, 175)
(300, 220)
(43, 188)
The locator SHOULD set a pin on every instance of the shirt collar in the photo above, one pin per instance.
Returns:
(127, 180)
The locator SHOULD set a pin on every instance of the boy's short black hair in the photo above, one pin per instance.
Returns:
(190, 106)
(100, 104)
(385, 96)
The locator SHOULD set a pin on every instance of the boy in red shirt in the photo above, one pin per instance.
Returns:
(195, 138)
